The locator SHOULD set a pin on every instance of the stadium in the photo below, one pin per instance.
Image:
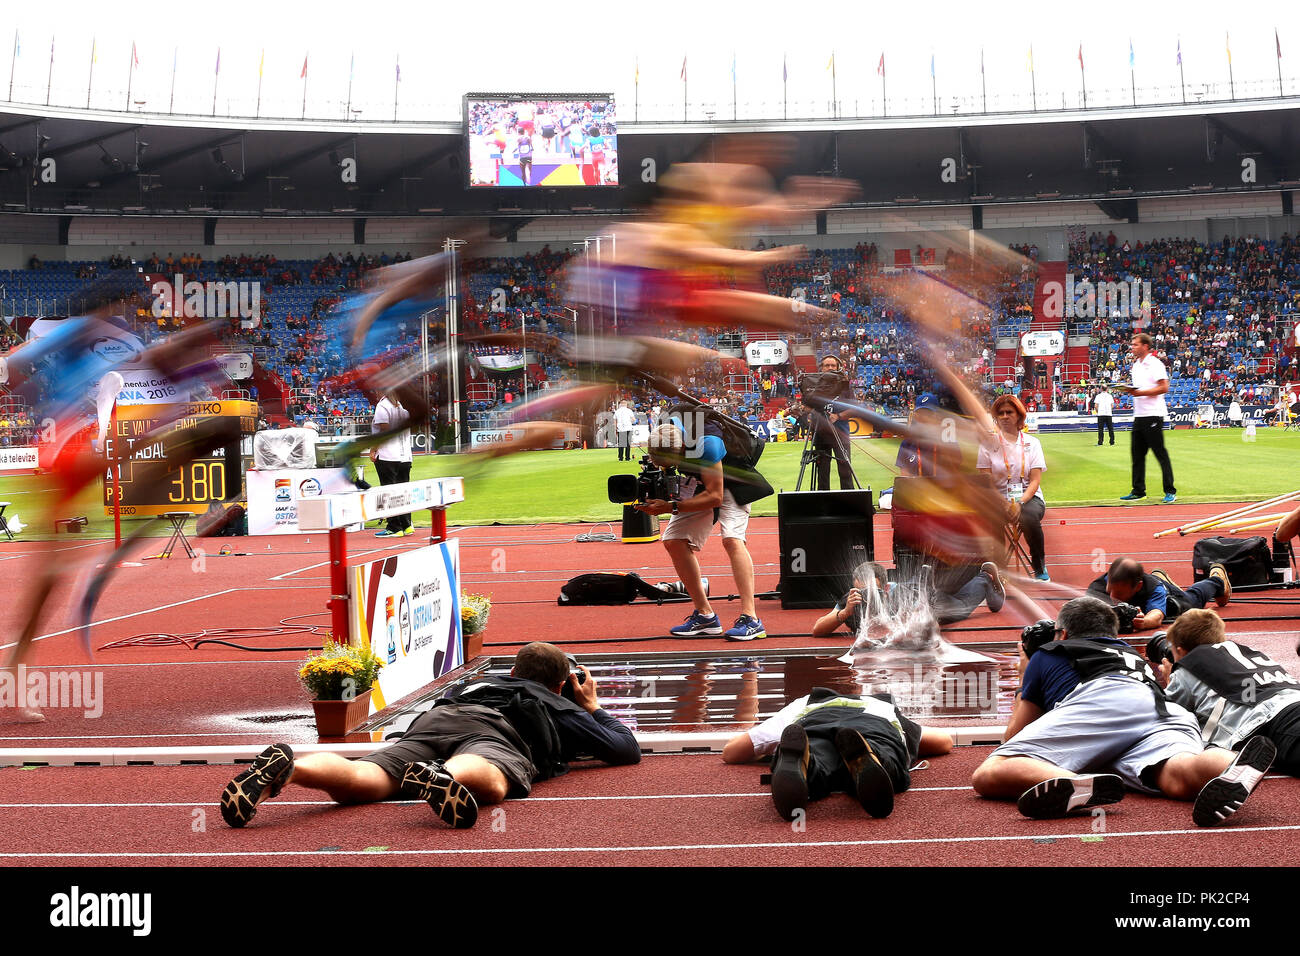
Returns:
(241, 350)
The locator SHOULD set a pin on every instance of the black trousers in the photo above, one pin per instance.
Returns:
(1031, 530)
(1105, 423)
(394, 473)
(1149, 435)
(827, 445)
(827, 772)
(624, 446)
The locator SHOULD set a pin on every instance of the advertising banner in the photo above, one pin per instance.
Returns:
(274, 496)
(22, 458)
(406, 608)
(1042, 343)
(767, 353)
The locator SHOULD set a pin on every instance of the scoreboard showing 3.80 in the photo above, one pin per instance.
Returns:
(149, 487)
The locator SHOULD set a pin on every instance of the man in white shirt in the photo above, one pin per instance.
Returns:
(1104, 405)
(1150, 383)
(393, 458)
(624, 422)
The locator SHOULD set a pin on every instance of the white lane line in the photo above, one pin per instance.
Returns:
(653, 848)
(123, 617)
(321, 564)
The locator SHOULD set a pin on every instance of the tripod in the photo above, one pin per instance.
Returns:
(842, 451)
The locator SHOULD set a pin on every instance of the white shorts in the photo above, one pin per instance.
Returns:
(694, 526)
(1108, 725)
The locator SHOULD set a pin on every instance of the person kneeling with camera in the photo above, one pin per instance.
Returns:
(705, 497)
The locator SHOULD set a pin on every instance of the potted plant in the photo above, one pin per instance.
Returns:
(474, 609)
(339, 680)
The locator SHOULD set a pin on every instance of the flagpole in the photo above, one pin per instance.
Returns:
(685, 83)
(636, 92)
(397, 81)
(12, 63)
(1232, 87)
(216, 78)
(1132, 79)
(1181, 81)
(304, 85)
(984, 86)
(130, 74)
(1083, 79)
(171, 103)
(835, 96)
(1278, 41)
(1033, 78)
(934, 87)
(352, 68)
(49, 77)
(261, 65)
(785, 87)
(90, 81)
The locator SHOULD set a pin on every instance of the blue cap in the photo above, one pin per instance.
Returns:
(927, 400)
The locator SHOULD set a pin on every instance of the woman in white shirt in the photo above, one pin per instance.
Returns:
(1014, 460)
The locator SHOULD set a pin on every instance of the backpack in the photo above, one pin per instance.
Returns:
(606, 588)
(744, 448)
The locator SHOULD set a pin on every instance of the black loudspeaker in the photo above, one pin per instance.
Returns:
(824, 535)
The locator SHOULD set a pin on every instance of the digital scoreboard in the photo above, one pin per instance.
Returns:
(148, 486)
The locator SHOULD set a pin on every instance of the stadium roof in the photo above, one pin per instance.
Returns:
(121, 164)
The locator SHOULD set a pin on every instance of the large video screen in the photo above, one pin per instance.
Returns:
(548, 140)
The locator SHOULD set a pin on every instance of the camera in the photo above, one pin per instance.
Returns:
(1159, 648)
(653, 482)
(575, 670)
(1037, 635)
(821, 388)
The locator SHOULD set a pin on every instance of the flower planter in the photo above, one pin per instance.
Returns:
(335, 718)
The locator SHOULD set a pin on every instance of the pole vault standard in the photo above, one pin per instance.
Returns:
(334, 513)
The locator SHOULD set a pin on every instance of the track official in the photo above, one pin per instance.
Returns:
(1150, 383)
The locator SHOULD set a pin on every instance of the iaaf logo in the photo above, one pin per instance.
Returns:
(209, 300)
(40, 689)
(1091, 300)
(389, 614)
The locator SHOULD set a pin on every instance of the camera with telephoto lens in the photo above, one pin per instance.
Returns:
(654, 482)
(1159, 648)
(818, 389)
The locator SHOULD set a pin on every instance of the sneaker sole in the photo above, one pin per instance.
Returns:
(451, 801)
(1223, 599)
(698, 632)
(1066, 796)
(789, 784)
(746, 637)
(265, 778)
(1223, 796)
(873, 788)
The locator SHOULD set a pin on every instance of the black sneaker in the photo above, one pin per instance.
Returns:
(264, 779)
(450, 799)
(1224, 795)
(871, 784)
(1219, 573)
(1065, 796)
(790, 772)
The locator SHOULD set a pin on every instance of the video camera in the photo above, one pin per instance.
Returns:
(821, 388)
(653, 482)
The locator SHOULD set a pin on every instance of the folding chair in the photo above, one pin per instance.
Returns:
(1017, 553)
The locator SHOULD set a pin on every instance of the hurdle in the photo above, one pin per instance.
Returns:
(334, 513)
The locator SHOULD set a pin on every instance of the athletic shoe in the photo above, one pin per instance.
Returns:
(388, 534)
(1168, 499)
(1161, 575)
(1219, 573)
(871, 783)
(990, 571)
(746, 628)
(1224, 795)
(698, 625)
(790, 772)
(1132, 496)
(1065, 796)
(265, 778)
(447, 797)
(1043, 576)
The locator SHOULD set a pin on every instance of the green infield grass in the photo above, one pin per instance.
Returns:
(559, 486)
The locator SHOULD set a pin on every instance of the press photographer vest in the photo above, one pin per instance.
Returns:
(530, 709)
(1094, 659)
(1238, 673)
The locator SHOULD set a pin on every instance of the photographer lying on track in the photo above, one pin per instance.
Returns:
(1091, 720)
(1143, 601)
(490, 741)
(986, 586)
(834, 743)
(708, 494)
(1236, 693)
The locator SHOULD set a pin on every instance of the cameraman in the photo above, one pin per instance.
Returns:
(830, 433)
(704, 499)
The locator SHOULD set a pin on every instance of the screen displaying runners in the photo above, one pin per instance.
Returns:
(556, 140)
